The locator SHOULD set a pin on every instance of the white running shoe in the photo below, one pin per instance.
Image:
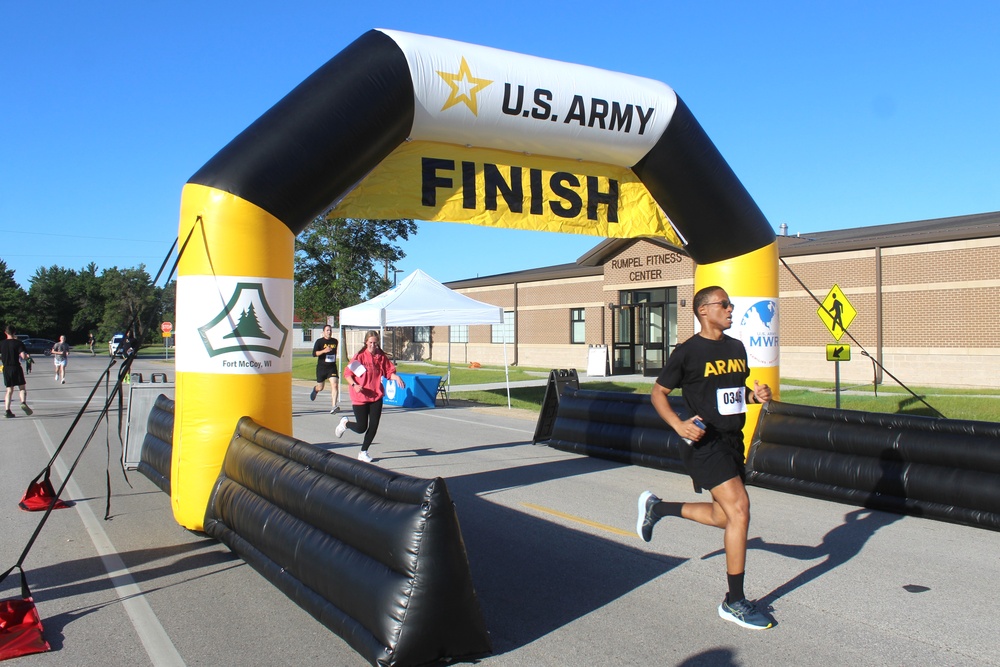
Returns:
(364, 456)
(646, 519)
(341, 427)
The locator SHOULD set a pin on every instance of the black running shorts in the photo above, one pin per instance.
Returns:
(717, 460)
(13, 375)
(325, 371)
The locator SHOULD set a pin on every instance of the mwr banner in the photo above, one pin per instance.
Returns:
(755, 322)
(448, 183)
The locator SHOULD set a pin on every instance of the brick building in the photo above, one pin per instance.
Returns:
(923, 293)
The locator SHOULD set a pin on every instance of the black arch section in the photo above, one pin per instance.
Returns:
(312, 146)
(699, 192)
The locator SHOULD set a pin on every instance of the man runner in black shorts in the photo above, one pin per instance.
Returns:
(11, 352)
(325, 351)
(711, 369)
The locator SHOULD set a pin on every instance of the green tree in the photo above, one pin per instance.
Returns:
(131, 299)
(168, 302)
(85, 291)
(52, 307)
(13, 300)
(340, 262)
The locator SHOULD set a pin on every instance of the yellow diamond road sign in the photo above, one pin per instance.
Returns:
(836, 312)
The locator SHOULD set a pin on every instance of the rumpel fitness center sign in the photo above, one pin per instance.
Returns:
(649, 260)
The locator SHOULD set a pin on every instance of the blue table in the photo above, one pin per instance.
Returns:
(420, 391)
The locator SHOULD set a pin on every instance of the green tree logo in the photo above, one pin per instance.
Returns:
(245, 324)
(248, 326)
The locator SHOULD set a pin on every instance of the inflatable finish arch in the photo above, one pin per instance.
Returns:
(402, 125)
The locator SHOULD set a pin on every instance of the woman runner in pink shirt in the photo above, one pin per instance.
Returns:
(364, 377)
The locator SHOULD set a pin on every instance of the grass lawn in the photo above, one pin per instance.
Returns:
(975, 404)
(304, 368)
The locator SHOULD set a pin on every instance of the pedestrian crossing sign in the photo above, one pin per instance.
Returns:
(836, 312)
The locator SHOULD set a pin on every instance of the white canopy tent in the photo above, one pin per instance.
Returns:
(421, 301)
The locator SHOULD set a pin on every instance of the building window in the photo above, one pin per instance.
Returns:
(504, 333)
(307, 335)
(577, 326)
(459, 333)
(421, 334)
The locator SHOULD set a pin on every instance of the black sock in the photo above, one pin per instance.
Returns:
(662, 509)
(735, 587)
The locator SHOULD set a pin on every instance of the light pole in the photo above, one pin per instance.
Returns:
(396, 272)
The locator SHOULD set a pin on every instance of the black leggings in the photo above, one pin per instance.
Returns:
(367, 416)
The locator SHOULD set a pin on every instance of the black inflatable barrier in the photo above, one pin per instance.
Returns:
(375, 556)
(617, 426)
(943, 469)
(924, 466)
(158, 444)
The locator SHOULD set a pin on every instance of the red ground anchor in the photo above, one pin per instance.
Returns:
(20, 625)
(40, 495)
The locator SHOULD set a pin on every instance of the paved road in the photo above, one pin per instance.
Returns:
(561, 578)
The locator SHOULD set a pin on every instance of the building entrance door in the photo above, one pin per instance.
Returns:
(653, 328)
(644, 331)
(623, 340)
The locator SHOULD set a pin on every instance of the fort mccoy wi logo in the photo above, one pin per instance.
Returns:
(244, 336)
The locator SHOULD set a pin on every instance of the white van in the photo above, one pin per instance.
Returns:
(116, 346)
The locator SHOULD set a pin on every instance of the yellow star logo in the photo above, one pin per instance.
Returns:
(464, 87)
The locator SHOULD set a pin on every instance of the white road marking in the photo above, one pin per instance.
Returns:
(159, 648)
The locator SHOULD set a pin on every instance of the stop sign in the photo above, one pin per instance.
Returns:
(166, 326)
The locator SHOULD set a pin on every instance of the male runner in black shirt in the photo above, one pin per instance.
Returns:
(325, 351)
(11, 352)
(711, 369)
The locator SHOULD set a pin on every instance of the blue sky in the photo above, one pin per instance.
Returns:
(833, 115)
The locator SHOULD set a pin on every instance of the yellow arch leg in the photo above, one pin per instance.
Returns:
(234, 352)
(748, 279)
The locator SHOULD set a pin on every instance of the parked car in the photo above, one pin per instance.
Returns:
(116, 346)
(39, 346)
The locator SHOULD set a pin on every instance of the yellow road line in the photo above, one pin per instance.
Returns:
(577, 519)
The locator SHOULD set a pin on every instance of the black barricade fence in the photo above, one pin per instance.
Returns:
(618, 426)
(374, 555)
(939, 468)
(157, 445)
